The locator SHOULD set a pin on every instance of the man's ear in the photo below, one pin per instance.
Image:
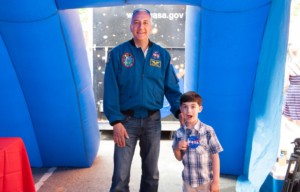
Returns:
(130, 28)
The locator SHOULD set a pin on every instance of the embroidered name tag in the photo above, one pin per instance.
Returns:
(155, 63)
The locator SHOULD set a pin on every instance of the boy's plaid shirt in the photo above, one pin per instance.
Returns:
(196, 159)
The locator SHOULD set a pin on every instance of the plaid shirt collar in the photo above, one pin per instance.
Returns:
(196, 127)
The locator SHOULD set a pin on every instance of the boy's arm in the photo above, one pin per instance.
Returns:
(177, 154)
(215, 186)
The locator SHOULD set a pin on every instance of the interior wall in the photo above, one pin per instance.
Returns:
(224, 55)
(49, 80)
(192, 51)
(263, 134)
(14, 114)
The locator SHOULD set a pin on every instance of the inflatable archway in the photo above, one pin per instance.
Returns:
(235, 56)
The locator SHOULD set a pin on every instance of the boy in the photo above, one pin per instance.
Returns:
(197, 145)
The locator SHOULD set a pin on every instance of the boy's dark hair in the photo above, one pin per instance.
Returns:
(191, 96)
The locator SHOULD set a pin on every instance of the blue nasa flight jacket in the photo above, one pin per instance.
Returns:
(133, 82)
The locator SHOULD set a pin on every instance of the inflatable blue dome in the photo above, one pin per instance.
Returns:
(235, 58)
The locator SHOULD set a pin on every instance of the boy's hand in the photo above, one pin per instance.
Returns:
(215, 186)
(182, 145)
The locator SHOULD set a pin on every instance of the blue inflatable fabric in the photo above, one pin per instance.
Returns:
(263, 134)
(49, 62)
(235, 53)
(226, 72)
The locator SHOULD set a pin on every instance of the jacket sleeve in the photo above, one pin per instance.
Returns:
(172, 90)
(111, 102)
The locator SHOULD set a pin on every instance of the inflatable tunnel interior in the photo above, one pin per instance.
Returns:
(235, 58)
(47, 96)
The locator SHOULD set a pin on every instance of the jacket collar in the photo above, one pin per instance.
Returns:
(131, 41)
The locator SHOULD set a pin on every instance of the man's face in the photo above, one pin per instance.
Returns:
(140, 26)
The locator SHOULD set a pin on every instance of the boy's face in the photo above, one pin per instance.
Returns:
(190, 111)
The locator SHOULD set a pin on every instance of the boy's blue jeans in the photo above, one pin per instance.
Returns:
(148, 132)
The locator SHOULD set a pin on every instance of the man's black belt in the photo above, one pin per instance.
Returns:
(131, 112)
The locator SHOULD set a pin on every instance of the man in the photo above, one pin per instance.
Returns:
(138, 75)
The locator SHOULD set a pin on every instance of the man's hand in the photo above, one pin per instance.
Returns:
(181, 119)
(120, 134)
